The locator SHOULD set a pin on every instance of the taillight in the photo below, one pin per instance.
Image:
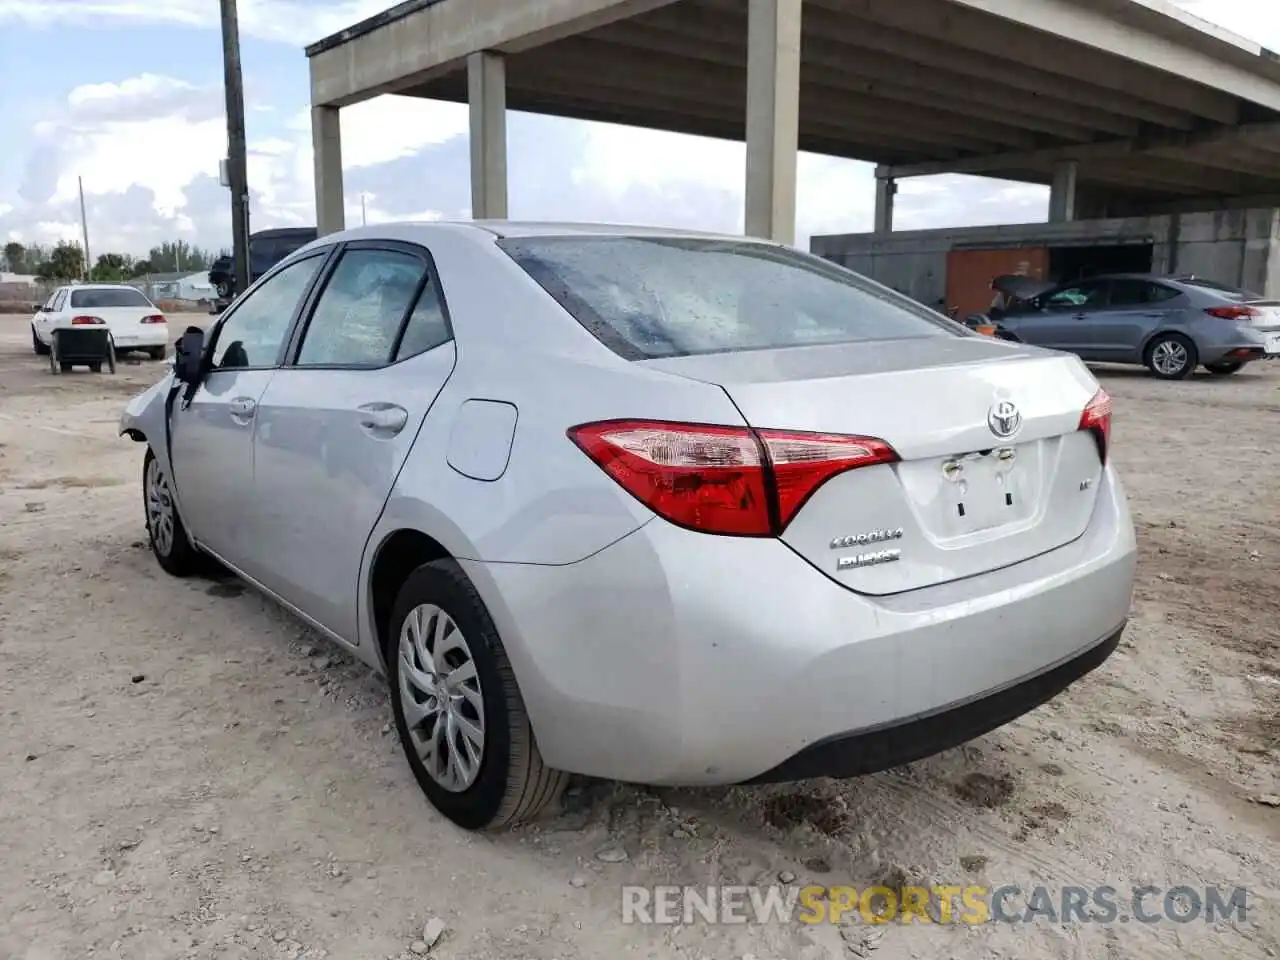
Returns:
(87, 321)
(154, 318)
(1235, 311)
(725, 480)
(1097, 419)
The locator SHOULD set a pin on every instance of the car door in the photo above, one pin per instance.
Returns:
(212, 433)
(337, 421)
(47, 321)
(1055, 320)
(1134, 308)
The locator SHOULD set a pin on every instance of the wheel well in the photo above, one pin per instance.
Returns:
(401, 554)
(137, 436)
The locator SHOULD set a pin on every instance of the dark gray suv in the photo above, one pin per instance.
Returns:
(1170, 324)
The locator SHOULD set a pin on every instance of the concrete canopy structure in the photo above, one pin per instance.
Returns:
(1123, 106)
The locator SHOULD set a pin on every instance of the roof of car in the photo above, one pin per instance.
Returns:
(102, 286)
(551, 228)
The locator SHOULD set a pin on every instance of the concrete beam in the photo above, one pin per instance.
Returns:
(1062, 192)
(1116, 37)
(878, 77)
(487, 96)
(892, 53)
(398, 53)
(773, 118)
(1005, 38)
(1244, 134)
(886, 190)
(326, 145)
(613, 64)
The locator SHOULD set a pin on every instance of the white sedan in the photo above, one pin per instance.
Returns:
(134, 321)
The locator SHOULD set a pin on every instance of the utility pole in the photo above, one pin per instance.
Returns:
(236, 163)
(84, 229)
(364, 214)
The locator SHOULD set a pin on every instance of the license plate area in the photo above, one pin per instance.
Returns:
(1272, 344)
(969, 495)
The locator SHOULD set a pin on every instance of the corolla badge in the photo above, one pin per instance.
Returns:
(1004, 419)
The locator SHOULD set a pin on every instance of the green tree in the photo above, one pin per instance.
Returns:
(65, 262)
(141, 268)
(173, 256)
(15, 257)
(113, 267)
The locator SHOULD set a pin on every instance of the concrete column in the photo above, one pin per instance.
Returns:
(773, 118)
(1062, 195)
(886, 190)
(487, 94)
(326, 144)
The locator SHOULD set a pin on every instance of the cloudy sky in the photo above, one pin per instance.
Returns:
(128, 95)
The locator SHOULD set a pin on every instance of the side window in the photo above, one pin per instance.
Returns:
(427, 327)
(358, 317)
(1080, 295)
(59, 298)
(252, 335)
(1159, 293)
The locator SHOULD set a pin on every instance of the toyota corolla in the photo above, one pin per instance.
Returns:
(651, 506)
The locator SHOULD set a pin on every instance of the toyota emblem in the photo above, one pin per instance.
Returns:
(1004, 419)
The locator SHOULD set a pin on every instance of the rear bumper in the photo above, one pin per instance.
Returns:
(870, 751)
(141, 336)
(672, 657)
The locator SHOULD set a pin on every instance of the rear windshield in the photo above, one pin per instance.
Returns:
(671, 297)
(116, 297)
(1233, 293)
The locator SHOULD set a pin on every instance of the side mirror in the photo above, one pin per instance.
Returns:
(187, 355)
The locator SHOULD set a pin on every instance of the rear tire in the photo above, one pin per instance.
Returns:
(1171, 356)
(1225, 368)
(223, 289)
(503, 779)
(40, 349)
(155, 353)
(165, 531)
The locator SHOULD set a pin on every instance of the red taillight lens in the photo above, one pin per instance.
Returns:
(154, 318)
(1233, 312)
(725, 480)
(87, 321)
(802, 462)
(1097, 419)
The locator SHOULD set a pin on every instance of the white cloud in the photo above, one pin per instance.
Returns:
(288, 21)
(388, 128)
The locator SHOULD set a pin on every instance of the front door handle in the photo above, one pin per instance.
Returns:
(383, 418)
(243, 409)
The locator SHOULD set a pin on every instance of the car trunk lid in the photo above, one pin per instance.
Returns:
(962, 499)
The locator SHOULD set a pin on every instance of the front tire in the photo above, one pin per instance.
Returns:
(223, 289)
(1171, 356)
(165, 531)
(1225, 368)
(458, 709)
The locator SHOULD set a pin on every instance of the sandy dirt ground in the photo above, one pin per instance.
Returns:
(188, 772)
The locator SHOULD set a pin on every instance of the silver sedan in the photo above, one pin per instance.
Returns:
(1170, 324)
(651, 506)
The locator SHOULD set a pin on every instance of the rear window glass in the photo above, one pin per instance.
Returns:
(1234, 293)
(670, 297)
(100, 299)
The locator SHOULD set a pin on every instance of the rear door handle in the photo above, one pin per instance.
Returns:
(243, 409)
(383, 418)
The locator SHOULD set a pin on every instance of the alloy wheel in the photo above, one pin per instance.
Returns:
(159, 509)
(441, 697)
(1169, 357)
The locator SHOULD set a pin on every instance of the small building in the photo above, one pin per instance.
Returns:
(953, 268)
